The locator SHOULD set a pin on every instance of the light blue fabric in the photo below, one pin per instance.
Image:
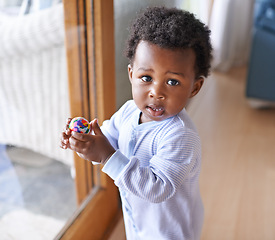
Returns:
(156, 167)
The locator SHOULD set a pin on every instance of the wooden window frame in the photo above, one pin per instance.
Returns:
(89, 41)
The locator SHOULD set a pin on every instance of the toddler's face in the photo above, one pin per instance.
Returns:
(162, 80)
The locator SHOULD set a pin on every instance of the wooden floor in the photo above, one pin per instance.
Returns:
(238, 169)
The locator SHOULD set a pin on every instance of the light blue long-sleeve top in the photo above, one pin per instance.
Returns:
(156, 167)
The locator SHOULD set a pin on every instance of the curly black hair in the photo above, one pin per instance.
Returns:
(172, 28)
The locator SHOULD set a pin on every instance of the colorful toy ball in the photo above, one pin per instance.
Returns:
(80, 125)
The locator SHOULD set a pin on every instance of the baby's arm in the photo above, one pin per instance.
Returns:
(94, 148)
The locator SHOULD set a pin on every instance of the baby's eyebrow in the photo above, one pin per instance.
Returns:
(145, 69)
(176, 73)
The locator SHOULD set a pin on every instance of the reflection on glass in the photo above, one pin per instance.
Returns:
(37, 193)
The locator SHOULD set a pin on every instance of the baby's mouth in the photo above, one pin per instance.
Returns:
(155, 111)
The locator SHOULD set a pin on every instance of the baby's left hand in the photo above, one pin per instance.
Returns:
(65, 136)
(90, 147)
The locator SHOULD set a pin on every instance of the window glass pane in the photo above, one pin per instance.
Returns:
(37, 192)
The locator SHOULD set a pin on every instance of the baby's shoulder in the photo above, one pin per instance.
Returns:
(178, 138)
(128, 107)
(179, 126)
(126, 110)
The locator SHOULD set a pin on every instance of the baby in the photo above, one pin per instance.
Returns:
(150, 147)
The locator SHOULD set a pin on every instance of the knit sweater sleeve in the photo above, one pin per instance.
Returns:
(110, 128)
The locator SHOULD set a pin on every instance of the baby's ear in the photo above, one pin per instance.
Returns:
(197, 86)
(130, 72)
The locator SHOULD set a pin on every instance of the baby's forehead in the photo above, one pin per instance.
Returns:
(169, 48)
(146, 52)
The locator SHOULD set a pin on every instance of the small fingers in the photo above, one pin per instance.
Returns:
(96, 127)
(69, 120)
(64, 146)
(81, 136)
(78, 145)
(66, 134)
(64, 140)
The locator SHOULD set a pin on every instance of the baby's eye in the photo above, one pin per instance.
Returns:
(173, 82)
(146, 79)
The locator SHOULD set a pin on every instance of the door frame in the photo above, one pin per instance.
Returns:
(89, 42)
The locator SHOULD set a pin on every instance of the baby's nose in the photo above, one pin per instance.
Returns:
(157, 91)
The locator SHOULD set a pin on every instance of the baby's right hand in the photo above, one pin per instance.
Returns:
(66, 134)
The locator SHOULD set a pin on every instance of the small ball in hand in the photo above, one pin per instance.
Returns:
(80, 125)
